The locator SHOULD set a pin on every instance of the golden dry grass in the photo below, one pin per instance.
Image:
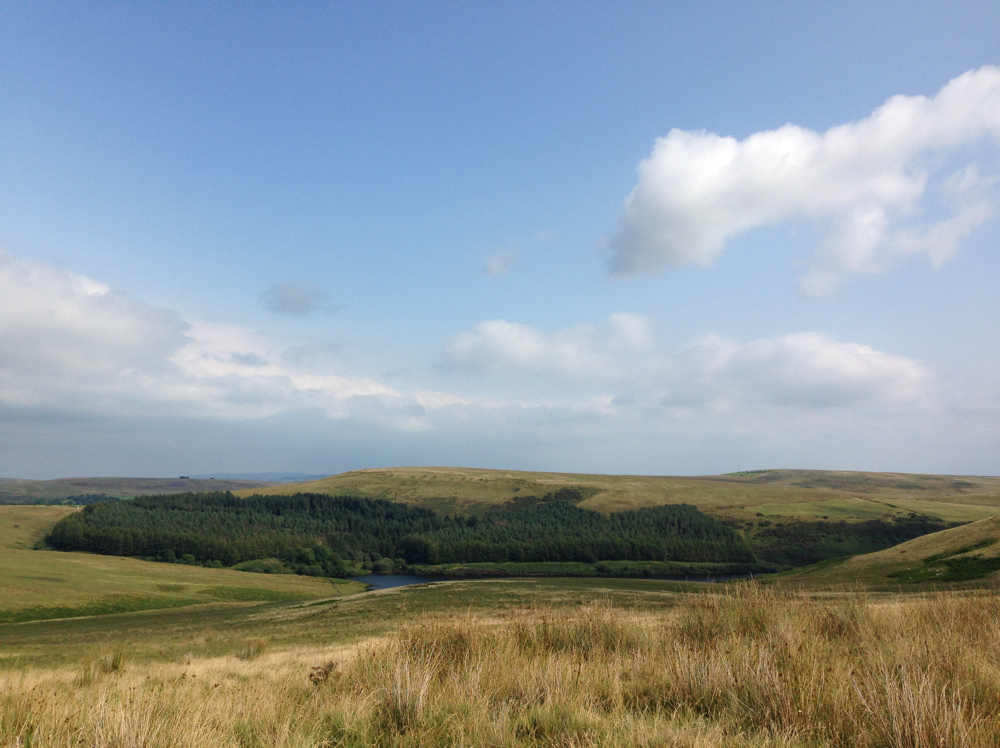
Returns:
(749, 667)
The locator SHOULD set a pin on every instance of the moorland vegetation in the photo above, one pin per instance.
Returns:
(800, 661)
(747, 666)
(451, 490)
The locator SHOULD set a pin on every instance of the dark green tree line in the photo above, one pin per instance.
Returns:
(317, 532)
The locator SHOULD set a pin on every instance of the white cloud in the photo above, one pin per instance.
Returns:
(632, 331)
(65, 339)
(83, 366)
(581, 352)
(499, 344)
(869, 180)
(801, 370)
(70, 344)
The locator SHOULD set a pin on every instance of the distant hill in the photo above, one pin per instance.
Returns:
(17, 491)
(969, 554)
(853, 496)
(266, 477)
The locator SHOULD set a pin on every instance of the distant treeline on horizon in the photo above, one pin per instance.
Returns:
(316, 533)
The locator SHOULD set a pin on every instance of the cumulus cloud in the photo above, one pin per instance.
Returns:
(802, 370)
(297, 298)
(581, 352)
(59, 328)
(68, 343)
(872, 182)
(499, 344)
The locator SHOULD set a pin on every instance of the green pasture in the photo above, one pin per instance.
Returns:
(857, 509)
(850, 509)
(37, 585)
(49, 584)
(946, 511)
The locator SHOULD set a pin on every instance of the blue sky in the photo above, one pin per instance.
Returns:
(596, 237)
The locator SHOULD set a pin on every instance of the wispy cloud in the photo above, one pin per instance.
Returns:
(871, 181)
(297, 298)
(500, 263)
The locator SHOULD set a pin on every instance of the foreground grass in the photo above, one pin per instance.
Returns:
(750, 667)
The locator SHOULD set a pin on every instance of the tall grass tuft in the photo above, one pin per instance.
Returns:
(251, 650)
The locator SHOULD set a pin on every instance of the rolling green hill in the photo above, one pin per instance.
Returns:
(853, 496)
(967, 554)
(45, 584)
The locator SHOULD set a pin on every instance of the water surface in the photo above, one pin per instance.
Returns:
(388, 581)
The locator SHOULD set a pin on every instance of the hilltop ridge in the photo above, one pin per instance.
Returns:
(473, 490)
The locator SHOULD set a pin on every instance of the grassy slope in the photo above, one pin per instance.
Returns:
(212, 630)
(12, 489)
(53, 584)
(873, 569)
(846, 495)
(23, 526)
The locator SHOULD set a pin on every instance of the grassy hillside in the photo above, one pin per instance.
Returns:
(795, 493)
(23, 526)
(14, 490)
(47, 584)
(969, 554)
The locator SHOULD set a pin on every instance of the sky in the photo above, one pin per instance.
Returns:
(630, 237)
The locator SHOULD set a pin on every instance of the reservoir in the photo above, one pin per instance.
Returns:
(388, 581)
